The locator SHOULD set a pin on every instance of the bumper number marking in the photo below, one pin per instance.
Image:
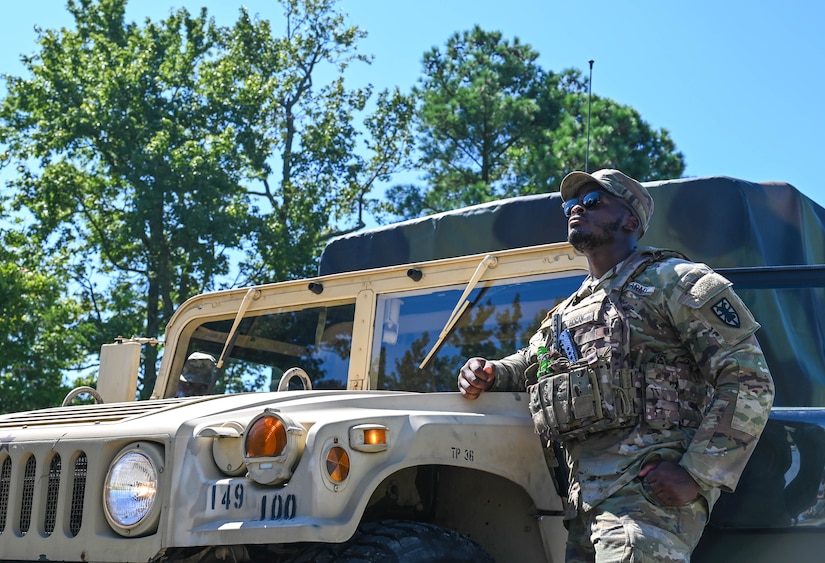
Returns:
(234, 496)
(226, 496)
(281, 508)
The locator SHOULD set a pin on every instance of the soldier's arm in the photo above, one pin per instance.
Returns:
(510, 371)
(718, 329)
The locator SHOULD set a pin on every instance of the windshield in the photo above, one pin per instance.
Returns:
(316, 339)
(501, 318)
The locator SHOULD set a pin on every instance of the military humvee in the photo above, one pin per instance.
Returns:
(334, 433)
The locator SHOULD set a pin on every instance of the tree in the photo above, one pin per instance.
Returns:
(39, 328)
(619, 138)
(491, 123)
(132, 173)
(304, 155)
(480, 101)
(135, 146)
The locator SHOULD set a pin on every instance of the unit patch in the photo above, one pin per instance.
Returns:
(726, 313)
(640, 289)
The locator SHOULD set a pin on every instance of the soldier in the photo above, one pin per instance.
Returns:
(197, 374)
(650, 377)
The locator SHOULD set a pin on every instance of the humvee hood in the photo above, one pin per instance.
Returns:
(167, 415)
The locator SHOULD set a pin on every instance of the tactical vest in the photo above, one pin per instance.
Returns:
(587, 382)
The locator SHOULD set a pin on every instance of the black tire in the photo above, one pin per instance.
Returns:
(396, 541)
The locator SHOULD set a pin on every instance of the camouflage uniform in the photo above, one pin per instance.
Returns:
(705, 391)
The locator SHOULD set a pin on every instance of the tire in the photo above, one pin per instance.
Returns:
(396, 541)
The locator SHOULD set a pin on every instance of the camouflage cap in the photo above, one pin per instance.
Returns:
(616, 183)
(198, 368)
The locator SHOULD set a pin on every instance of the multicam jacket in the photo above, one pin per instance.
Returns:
(686, 319)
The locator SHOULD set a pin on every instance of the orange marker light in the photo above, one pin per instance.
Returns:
(369, 438)
(375, 436)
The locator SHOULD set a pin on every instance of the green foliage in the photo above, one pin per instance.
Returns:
(305, 156)
(121, 161)
(619, 138)
(493, 124)
(140, 150)
(39, 328)
(480, 101)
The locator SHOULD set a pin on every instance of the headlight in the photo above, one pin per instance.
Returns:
(130, 492)
(273, 443)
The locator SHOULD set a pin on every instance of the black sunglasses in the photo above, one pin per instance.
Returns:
(588, 201)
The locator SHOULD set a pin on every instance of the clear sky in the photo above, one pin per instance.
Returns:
(739, 84)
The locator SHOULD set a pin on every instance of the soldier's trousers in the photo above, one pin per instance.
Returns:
(633, 527)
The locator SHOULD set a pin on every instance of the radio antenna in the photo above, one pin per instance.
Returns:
(589, 103)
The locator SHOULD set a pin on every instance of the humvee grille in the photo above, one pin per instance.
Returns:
(26, 482)
(81, 466)
(28, 495)
(52, 491)
(5, 481)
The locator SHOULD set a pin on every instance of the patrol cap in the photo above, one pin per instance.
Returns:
(616, 183)
(198, 368)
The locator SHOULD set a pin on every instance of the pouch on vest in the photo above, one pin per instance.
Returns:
(586, 400)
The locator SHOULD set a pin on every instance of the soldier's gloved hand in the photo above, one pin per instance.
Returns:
(476, 375)
(669, 482)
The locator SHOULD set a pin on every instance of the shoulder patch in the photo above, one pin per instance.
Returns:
(715, 307)
(727, 317)
(726, 312)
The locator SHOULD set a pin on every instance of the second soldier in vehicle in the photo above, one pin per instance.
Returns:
(196, 376)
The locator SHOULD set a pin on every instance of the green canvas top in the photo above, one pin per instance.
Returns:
(721, 221)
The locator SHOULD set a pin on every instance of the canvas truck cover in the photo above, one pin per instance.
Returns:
(721, 221)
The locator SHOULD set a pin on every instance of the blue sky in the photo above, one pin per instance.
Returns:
(738, 84)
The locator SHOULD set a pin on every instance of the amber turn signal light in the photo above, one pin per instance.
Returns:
(266, 437)
(369, 438)
(272, 446)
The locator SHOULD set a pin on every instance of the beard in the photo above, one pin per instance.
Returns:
(587, 242)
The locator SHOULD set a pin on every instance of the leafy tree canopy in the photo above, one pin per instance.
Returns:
(175, 157)
(40, 332)
(492, 123)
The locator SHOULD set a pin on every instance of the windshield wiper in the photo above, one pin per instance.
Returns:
(250, 296)
(489, 261)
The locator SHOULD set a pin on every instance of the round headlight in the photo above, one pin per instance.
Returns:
(130, 492)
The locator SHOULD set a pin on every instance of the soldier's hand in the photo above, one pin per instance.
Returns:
(670, 482)
(476, 375)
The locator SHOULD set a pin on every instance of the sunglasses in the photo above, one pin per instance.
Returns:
(588, 201)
